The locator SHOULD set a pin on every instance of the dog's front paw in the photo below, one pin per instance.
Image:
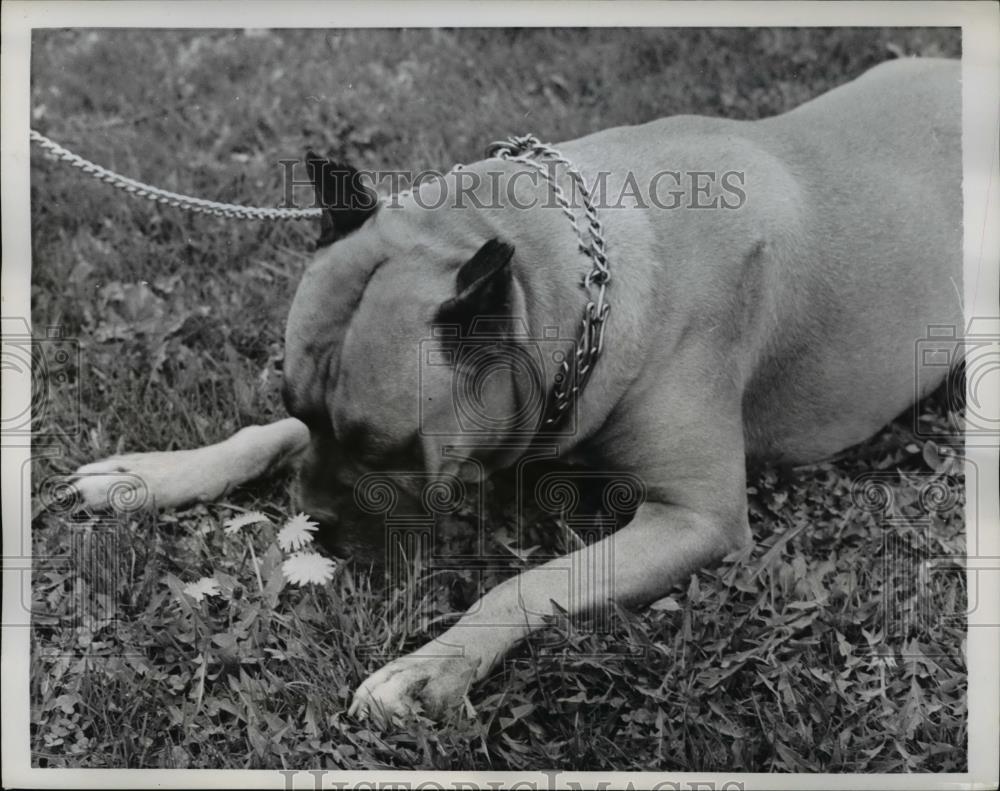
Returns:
(430, 681)
(166, 480)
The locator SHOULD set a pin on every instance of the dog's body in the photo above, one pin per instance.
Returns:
(782, 329)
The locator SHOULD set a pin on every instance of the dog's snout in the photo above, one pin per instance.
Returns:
(324, 488)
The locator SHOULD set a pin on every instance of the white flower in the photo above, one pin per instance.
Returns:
(308, 568)
(235, 524)
(296, 533)
(206, 586)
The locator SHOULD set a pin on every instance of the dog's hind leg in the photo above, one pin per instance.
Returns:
(175, 478)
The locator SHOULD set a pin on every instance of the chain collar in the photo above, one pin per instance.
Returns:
(575, 370)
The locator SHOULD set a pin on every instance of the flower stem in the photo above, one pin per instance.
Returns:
(256, 568)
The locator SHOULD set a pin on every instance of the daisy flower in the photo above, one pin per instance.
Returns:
(206, 586)
(308, 568)
(296, 533)
(237, 523)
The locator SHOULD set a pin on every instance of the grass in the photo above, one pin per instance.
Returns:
(791, 658)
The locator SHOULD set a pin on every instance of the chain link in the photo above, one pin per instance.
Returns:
(165, 197)
(570, 379)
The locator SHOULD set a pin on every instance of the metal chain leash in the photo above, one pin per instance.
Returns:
(165, 197)
(569, 380)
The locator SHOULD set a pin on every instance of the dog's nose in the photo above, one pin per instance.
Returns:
(345, 531)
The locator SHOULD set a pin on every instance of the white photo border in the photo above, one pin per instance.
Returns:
(980, 23)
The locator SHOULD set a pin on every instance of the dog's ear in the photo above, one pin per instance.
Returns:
(346, 202)
(483, 287)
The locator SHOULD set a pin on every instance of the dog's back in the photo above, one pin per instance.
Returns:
(819, 286)
(878, 163)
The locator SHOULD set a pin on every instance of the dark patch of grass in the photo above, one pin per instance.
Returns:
(777, 661)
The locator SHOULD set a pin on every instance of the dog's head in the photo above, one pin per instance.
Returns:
(382, 344)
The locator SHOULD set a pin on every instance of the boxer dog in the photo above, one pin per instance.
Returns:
(781, 328)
